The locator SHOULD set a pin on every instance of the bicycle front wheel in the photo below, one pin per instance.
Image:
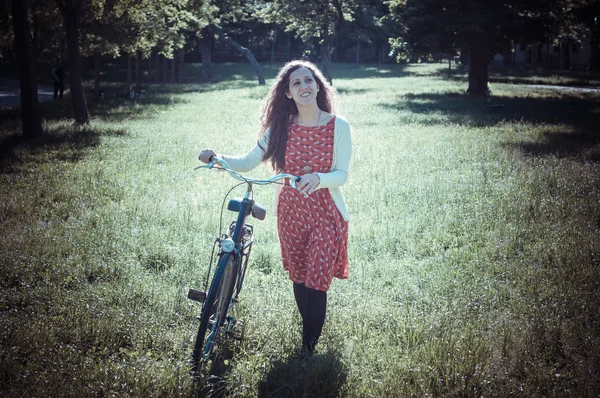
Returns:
(216, 305)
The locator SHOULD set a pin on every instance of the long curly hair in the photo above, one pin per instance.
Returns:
(278, 109)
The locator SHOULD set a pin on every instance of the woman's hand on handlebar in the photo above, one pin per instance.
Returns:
(206, 155)
(308, 183)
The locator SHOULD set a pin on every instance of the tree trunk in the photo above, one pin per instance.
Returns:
(96, 74)
(326, 50)
(538, 54)
(129, 70)
(138, 71)
(478, 73)
(595, 55)
(30, 107)
(245, 52)
(181, 63)
(273, 48)
(337, 25)
(157, 67)
(70, 13)
(357, 51)
(336, 49)
(35, 39)
(206, 53)
(165, 68)
(566, 56)
(173, 69)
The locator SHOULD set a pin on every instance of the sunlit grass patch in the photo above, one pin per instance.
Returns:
(474, 247)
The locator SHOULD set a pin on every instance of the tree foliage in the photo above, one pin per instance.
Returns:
(415, 28)
(219, 19)
(480, 27)
(312, 19)
(372, 25)
(587, 12)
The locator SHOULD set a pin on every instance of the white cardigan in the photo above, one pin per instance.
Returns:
(333, 180)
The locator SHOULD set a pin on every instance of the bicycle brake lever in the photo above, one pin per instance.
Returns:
(204, 166)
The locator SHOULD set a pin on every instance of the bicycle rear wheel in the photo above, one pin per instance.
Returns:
(214, 310)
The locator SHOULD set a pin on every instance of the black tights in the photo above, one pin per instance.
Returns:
(312, 305)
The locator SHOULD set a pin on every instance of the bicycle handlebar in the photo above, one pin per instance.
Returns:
(289, 179)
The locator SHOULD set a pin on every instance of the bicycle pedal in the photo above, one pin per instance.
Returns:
(196, 295)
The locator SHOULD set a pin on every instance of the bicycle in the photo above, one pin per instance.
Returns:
(234, 252)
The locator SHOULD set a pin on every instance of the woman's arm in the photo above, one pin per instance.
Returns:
(343, 152)
(247, 162)
(243, 163)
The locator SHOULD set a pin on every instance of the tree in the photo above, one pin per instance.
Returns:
(30, 110)
(215, 18)
(588, 12)
(167, 28)
(372, 25)
(581, 21)
(7, 33)
(310, 19)
(481, 28)
(242, 50)
(71, 12)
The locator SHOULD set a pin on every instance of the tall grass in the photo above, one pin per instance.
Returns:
(474, 245)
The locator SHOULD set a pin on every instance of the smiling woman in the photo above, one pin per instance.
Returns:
(303, 136)
(303, 89)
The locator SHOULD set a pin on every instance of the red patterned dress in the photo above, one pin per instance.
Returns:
(312, 232)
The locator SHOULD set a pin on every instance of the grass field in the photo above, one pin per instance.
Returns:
(474, 244)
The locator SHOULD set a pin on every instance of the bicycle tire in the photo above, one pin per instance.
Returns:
(226, 289)
(221, 305)
(216, 305)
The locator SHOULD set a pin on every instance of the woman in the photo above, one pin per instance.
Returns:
(303, 136)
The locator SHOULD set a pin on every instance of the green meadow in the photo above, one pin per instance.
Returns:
(474, 242)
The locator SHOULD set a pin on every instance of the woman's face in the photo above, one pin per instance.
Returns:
(302, 87)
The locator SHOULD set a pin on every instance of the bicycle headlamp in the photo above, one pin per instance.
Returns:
(227, 245)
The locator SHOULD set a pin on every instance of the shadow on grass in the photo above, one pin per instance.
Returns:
(516, 75)
(353, 71)
(507, 77)
(584, 146)
(536, 75)
(344, 91)
(574, 115)
(323, 375)
(62, 142)
(231, 72)
(118, 106)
